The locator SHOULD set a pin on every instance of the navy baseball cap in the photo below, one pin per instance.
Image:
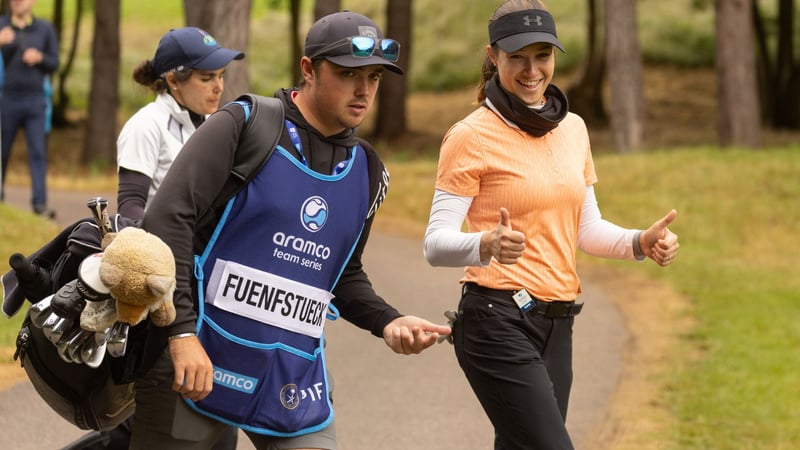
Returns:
(328, 39)
(191, 48)
(514, 31)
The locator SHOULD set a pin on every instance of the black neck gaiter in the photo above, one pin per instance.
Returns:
(536, 122)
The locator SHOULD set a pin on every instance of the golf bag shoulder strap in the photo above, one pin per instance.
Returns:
(265, 116)
(262, 131)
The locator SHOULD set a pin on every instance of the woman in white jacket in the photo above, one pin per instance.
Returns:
(186, 74)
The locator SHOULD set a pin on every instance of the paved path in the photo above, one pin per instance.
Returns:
(382, 400)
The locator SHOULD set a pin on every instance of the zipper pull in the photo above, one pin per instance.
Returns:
(22, 343)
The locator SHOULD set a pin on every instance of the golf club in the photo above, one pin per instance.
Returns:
(40, 310)
(98, 206)
(55, 327)
(117, 339)
(76, 344)
(63, 344)
(94, 350)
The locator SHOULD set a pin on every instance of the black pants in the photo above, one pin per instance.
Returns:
(520, 367)
(119, 438)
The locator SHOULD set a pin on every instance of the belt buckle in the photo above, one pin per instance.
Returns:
(557, 309)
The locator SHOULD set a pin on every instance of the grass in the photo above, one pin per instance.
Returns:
(737, 220)
(20, 232)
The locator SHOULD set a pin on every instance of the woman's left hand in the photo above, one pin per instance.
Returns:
(658, 242)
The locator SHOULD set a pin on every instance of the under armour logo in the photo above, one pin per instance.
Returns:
(529, 21)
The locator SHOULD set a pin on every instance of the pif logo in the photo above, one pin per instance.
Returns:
(290, 398)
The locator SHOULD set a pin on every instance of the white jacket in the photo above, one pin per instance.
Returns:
(151, 139)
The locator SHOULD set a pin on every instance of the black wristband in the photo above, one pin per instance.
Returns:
(637, 247)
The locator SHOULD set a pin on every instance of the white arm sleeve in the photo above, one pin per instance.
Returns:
(599, 237)
(445, 244)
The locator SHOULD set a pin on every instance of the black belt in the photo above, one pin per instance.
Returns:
(547, 309)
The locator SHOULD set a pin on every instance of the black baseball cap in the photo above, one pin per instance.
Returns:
(191, 48)
(516, 30)
(338, 27)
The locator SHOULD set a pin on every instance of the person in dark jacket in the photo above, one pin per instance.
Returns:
(30, 55)
(247, 347)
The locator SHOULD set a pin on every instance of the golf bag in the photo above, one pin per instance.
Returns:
(85, 396)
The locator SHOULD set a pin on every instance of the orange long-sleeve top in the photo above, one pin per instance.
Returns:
(541, 181)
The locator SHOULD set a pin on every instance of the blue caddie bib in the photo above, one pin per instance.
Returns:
(265, 281)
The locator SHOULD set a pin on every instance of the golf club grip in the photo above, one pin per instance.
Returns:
(98, 207)
(34, 281)
(68, 302)
(24, 269)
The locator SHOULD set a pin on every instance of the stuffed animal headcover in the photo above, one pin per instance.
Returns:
(139, 270)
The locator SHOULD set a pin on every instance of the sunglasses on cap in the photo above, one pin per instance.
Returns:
(362, 47)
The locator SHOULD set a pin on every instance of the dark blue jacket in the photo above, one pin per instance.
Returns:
(21, 79)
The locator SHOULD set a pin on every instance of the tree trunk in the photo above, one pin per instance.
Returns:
(321, 9)
(58, 117)
(764, 67)
(624, 63)
(585, 94)
(786, 111)
(297, 50)
(739, 108)
(391, 121)
(101, 128)
(229, 22)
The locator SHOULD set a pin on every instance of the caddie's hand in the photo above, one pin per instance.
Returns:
(411, 334)
(194, 375)
(658, 242)
(503, 243)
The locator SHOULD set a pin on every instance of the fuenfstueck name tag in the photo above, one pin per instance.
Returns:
(523, 300)
(268, 298)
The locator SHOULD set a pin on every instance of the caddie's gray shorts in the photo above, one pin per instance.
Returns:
(163, 421)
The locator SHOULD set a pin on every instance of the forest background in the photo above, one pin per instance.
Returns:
(727, 379)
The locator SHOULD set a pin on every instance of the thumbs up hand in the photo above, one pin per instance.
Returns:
(658, 242)
(503, 243)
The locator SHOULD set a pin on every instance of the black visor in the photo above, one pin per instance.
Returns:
(517, 30)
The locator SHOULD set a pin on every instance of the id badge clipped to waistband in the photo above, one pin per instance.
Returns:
(523, 300)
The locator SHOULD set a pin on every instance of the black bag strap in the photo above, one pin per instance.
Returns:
(263, 129)
(256, 144)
